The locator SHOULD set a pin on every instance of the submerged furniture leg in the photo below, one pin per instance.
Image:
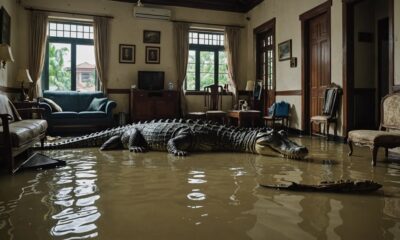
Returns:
(350, 143)
(374, 154)
(327, 130)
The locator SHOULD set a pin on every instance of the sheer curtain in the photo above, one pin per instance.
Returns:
(101, 46)
(37, 50)
(232, 36)
(181, 33)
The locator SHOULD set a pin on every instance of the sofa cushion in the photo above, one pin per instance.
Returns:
(92, 114)
(374, 137)
(54, 106)
(64, 115)
(23, 132)
(97, 104)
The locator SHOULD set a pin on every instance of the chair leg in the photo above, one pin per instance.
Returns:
(327, 130)
(350, 143)
(374, 154)
(335, 130)
(311, 128)
(386, 152)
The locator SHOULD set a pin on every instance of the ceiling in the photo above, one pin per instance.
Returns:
(222, 5)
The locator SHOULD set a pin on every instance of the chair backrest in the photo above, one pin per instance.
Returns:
(6, 107)
(390, 111)
(331, 100)
(213, 97)
(279, 109)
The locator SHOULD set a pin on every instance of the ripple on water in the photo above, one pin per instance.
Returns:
(75, 193)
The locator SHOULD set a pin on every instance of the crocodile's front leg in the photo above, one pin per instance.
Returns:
(179, 144)
(136, 142)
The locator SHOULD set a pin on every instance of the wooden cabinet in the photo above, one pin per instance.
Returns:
(148, 105)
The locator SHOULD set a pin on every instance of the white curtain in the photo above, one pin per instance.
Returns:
(101, 45)
(37, 50)
(181, 35)
(232, 36)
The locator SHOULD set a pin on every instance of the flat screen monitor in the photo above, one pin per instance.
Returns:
(151, 80)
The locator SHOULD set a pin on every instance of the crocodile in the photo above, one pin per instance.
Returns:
(179, 137)
(342, 186)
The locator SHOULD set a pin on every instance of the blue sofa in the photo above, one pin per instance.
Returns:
(74, 115)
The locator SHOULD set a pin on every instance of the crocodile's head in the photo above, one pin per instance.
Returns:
(273, 143)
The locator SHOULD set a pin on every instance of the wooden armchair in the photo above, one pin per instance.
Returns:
(388, 135)
(329, 110)
(212, 104)
(18, 135)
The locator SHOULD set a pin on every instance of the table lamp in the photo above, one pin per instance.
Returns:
(5, 54)
(24, 77)
(250, 86)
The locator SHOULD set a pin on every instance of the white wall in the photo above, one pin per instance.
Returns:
(125, 29)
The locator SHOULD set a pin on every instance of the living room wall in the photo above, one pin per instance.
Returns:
(8, 75)
(288, 26)
(126, 29)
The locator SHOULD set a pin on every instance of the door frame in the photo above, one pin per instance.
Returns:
(348, 59)
(324, 8)
(265, 27)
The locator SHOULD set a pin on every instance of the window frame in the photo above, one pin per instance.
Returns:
(74, 42)
(204, 48)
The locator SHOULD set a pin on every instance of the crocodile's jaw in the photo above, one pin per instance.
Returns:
(298, 152)
(277, 144)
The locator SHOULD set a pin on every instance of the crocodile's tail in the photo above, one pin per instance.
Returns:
(90, 140)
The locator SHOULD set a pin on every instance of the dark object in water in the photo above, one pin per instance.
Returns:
(336, 187)
(38, 160)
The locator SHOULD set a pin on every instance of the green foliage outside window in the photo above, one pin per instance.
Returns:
(59, 75)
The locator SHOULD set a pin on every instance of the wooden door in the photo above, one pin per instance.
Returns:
(266, 66)
(319, 63)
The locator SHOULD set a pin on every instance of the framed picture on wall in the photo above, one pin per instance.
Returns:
(285, 50)
(151, 36)
(5, 24)
(127, 53)
(153, 55)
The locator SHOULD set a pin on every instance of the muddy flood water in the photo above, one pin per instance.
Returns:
(123, 195)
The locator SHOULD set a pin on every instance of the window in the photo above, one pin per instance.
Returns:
(70, 58)
(265, 59)
(207, 62)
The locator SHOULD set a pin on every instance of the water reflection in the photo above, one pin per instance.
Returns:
(72, 199)
(118, 194)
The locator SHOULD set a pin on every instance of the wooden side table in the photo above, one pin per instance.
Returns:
(244, 117)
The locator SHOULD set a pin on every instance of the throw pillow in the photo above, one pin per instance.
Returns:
(98, 104)
(54, 106)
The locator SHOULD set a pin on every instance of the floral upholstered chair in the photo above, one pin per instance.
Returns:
(388, 135)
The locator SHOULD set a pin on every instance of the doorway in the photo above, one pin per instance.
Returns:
(316, 61)
(368, 67)
(265, 63)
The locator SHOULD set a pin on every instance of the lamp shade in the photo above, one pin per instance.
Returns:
(250, 86)
(5, 53)
(23, 76)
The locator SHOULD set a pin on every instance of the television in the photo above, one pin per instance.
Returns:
(151, 80)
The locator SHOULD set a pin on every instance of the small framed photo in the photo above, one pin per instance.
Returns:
(152, 55)
(127, 53)
(151, 36)
(285, 50)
